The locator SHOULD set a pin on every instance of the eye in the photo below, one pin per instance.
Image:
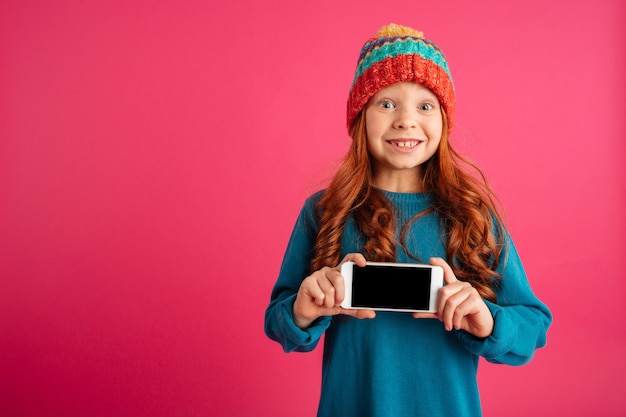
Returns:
(386, 104)
(426, 107)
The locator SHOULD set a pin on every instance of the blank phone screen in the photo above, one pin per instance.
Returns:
(397, 287)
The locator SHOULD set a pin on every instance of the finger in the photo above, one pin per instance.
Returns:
(338, 283)
(313, 291)
(452, 313)
(448, 274)
(470, 309)
(357, 258)
(338, 280)
(312, 287)
(327, 287)
(421, 315)
(459, 315)
(359, 314)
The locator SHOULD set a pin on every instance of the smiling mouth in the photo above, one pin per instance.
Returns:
(405, 144)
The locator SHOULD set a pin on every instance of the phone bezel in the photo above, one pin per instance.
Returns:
(436, 282)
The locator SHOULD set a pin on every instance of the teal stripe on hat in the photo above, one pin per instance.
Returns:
(403, 46)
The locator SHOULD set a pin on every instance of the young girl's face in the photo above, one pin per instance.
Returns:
(404, 125)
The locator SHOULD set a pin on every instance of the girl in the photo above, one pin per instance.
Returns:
(401, 195)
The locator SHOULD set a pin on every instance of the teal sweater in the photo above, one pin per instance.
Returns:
(395, 365)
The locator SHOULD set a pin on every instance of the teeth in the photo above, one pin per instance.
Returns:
(406, 144)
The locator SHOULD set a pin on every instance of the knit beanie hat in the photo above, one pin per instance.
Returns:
(399, 53)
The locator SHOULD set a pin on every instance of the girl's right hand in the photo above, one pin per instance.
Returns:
(322, 292)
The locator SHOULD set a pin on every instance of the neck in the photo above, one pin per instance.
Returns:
(399, 182)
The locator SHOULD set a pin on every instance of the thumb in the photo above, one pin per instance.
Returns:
(359, 314)
(448, 274)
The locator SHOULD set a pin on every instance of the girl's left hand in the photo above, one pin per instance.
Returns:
(460, 306)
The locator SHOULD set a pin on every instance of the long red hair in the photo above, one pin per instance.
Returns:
(464, 203)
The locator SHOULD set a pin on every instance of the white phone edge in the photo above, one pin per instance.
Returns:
(436, 282)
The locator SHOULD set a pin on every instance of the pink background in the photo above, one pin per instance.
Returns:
(154, 156)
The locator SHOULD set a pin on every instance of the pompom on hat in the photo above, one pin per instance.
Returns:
(399, 53)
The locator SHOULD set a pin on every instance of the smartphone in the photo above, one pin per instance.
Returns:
(392, 286)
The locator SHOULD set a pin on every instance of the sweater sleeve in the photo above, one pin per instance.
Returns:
(279, 322)
(521, 320)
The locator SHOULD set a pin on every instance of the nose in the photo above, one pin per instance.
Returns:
(406, 119)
